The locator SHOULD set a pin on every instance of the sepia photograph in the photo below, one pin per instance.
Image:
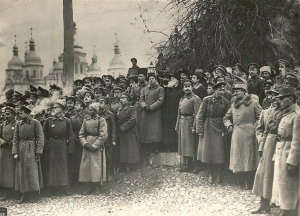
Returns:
(149, 107)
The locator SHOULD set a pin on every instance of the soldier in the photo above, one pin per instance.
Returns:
(88, 98)
(186, 125)
(28, 144)
(92, 136)
(110, 142)
(59, 141)
(267, 101)
(78, 84)
(109, 80)
(71, 111)
(286, 176)
(7, 162)
(127, 132)
(266, 131)
(239, 120)
(77, 121)
(265, 73)
(209, 126)
(184, 75)
(284, 67)
(98, 92)
(151, 100)
(115, 103)
(134, 69)
(87, 82)
(255, 83)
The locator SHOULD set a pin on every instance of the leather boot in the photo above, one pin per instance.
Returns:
(91, 189)
(184, 169)
(196, 170)
(218, 179)
(24, 198)
(210, 178)
(33, 197)
(67, 191)
(264, 206)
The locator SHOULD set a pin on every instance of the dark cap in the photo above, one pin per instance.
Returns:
(133, 59)
(71, 98)
(252, 64)
(78, 81)
(110, 77)
(98, 89)
(287, 91)
(103, 98)
(10, 109)
(87, 78)
(26, 109)
(286, 62)
(220, 68)
(133, 78)
(268, 83)
(176, 76)
(219, 85)
(81, 102)
(188, 82)
(185, 71)
(32, 88)
(91, 93)
(143, 71)
(117, 88)
(126, 95)
(100, 80)
(152, 75)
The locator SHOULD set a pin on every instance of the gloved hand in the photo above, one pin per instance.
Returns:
(37, 156)
(87, 146)
(292, 170)
(260, 153)
(146, 108)
(92, 149)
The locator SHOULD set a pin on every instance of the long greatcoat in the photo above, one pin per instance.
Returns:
(7, 161)
(59, 141)
(186, 124)
(93, 164)
(266, 135)
(127, 132)
(287, 152)
(28, 140)
(244, 148)
(211, 148)
(170, 112)
(151, 127)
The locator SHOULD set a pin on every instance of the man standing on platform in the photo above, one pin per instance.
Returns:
(28, 144)
(134, 69)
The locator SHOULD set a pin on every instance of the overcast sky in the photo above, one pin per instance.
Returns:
(96, 21)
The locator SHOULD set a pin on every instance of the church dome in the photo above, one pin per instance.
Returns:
(15, 62)
(94, 65)
(32, 57)
(116, 61)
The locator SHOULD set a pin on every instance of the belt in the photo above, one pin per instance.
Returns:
(283, 139)
(92, 134)
(57, 138)
(185, 115)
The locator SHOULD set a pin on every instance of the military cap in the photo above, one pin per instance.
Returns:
(26, 109)
(110, 77)
(143, 71)
(44, 92)
(287, 63)
(117, 88)
(188, 82)
(91, 93)
(8, 104)
(238, 79)
(268, 83)
(275, 90)
(152, 75)
(291, 75)
(10, 109)
(55, 87)
(95, 106)
(176, 75)
(32, 88)
(87, 78)
(50, 105)
(71, 98)
(220, 68)
(10, 92)
(119, 79)
(240, 86)
(133, 78)
(198, 70)
(133, 59)
(33, 93)
(98, 89)
(240, 67)
(199, 75)
(219, 85)
(125, 81)
(126, 95)
(59, 103)
(103, 98)
(78, 81)
(287, 91)
(166, 74)
(253, 64)
(99, 79)
(81, 102)
(185, 71)
(291, 82)
(17, 94)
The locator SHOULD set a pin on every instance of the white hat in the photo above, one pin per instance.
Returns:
(265, 69)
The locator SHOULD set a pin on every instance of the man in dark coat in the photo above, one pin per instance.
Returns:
(134, 69)
(199, 89)
(7, 162)
(255, 83)
(109, 80)
(28, 144)
(59, 141)
(115, 103)
(110, 142)
(71, 111)
(173, 94)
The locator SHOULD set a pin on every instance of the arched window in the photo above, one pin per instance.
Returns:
(27, 74)
(81, 69)
(76, 67)
(41, 74)
(34, 73)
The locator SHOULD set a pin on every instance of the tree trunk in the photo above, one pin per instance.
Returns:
(68, 55)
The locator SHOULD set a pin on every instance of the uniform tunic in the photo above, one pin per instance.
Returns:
(186, 124)
(28, 140)
(59, 141)
(76, 122)
(266, 135)
(93, 164)
(211, 148)
(151, 127)
(286, 153)
(7, 161)
(127, 132)
(244, 149)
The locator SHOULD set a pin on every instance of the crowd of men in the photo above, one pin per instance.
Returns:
(247, 119)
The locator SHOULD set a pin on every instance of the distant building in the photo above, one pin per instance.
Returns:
(116, 65)
(94, 69)
(19, 75)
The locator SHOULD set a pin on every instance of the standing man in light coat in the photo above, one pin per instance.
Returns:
(28, 144)
(240, 119)
(151, 126)
(287, 153)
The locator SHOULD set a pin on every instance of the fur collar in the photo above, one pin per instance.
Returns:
(247, 101)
